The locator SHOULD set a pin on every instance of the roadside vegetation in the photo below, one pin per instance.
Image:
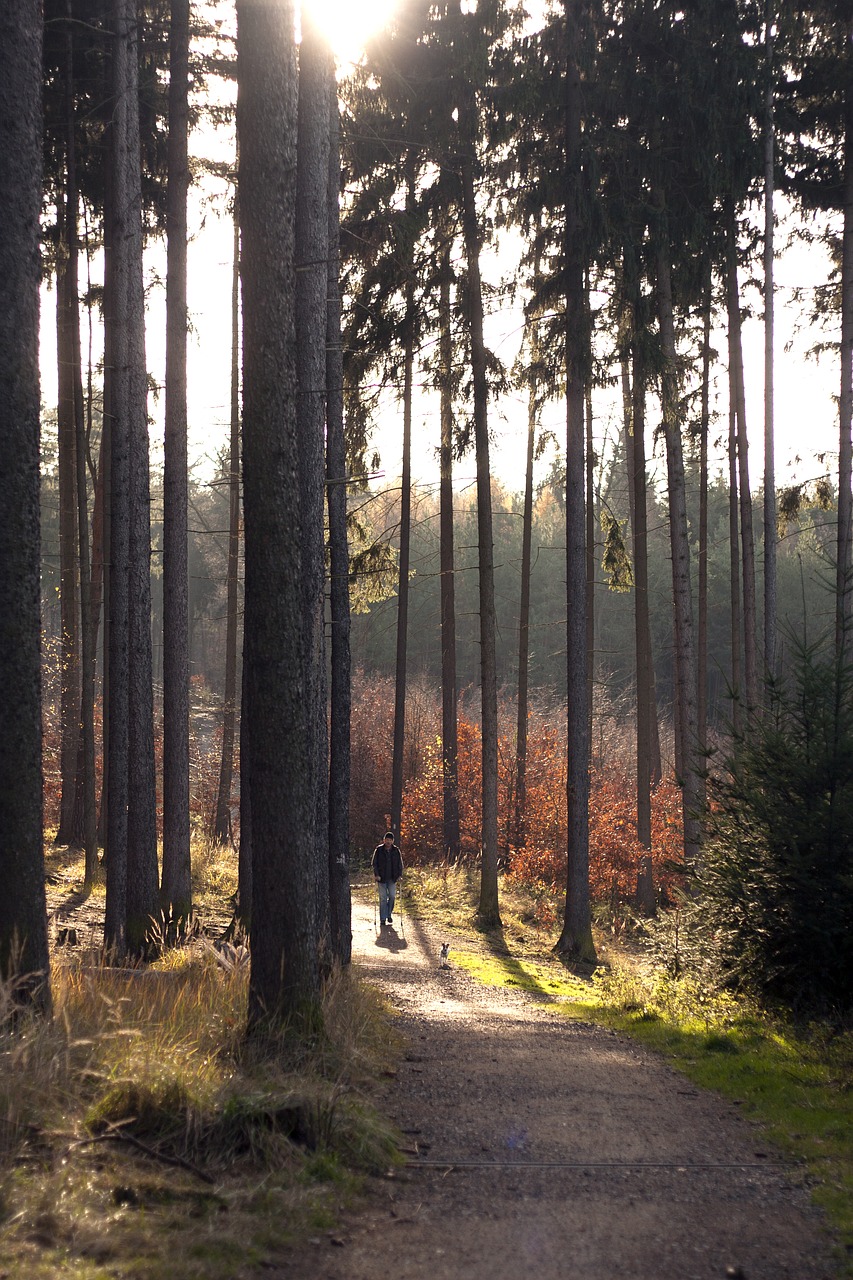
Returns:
(139, 1136)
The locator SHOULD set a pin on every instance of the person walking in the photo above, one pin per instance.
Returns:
(387, 866)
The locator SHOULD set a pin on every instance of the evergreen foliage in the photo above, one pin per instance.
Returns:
(778, 874)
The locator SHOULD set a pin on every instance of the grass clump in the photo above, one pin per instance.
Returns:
(140, 1136)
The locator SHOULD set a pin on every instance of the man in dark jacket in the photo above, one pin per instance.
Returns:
(387, 866)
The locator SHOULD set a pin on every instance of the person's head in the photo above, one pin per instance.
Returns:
(389, 839)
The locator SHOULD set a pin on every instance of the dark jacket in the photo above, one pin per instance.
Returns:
(387, 863)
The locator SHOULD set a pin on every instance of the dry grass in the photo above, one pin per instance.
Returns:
(139, 1137)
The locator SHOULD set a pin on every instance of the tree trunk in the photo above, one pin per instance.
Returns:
(746, 534)
(176, 884)
(844, 573)
(449, 694)
(312, 247)
(222, 822)
(734, 566)
(284, 983)
(69, 597)
(23, 919)
(576, 937)
(770, 534)
(685, 652)
(340, 901)
(646, 709)
(520, 827)
(488, 910)
(702, 647)
(399, 741)
(88, 623)
(589, 469)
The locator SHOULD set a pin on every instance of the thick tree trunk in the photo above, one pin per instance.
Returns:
(312, 247)
(449, 693)
(576, 937)
(176, 883)
(488, 910)
(685, 650)
(222, 822)
(844, 573)
(284, 983)
(23, 920)
(750, 666)
(340, 901)
(770, 534)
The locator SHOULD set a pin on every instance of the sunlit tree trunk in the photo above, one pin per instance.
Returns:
(702, 646)
(770, 535)
(449, 693)
(176, 885)
(734, 568)
(844, 578)
(23, 920)
(520, 824)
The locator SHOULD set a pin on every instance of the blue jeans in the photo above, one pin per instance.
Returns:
(387, 895)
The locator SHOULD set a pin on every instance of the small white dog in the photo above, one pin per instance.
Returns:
(443, 954)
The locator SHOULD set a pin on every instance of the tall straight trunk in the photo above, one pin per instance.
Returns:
(222, 821)
(88, 624)
(734, 568)
(844, 559)
(770, 535)
(702, 646)
(133, 832)
(589, 470)
(685, 650)
(312, 247)
(520, 823)
(576, 937)
(23, 919)
(176, 883)
(284, 983)
(340, 901)
(244, 853)
(400, 664)
(646, 710)
(750, 670)
(488, 909)
(105, 474)
(69, 598)
(449, 693)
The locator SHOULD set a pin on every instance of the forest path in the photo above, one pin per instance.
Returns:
(561, 1151)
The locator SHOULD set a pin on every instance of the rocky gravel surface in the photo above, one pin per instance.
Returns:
(541, 1147)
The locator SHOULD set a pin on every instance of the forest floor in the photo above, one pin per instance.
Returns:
(540, 1146)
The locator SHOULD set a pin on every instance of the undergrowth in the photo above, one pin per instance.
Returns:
(794, 1080)
(140, 1137)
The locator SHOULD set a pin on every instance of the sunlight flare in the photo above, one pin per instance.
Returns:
(348, 24)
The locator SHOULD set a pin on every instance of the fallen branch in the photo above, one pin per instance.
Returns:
(117, 1134)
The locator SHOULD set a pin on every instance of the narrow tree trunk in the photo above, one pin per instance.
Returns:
(449, 693)
(222, 823)
(646, 711)
(844, 578)
(399, 740)
(488, 910)
(88, 623)
(746, 532)
(284, 982)
(23, 920)
(576, 937)
(589, 468)
(176, 884)
(520, 824)
(69, 598)
(336, 490)
(685, 650)
(312, 246)
(734, 566)
(770, 591)
(702, 647)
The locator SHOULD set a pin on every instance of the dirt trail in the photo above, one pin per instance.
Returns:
(559, 1151)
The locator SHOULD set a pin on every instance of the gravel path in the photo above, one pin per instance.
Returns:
(553, 1149)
